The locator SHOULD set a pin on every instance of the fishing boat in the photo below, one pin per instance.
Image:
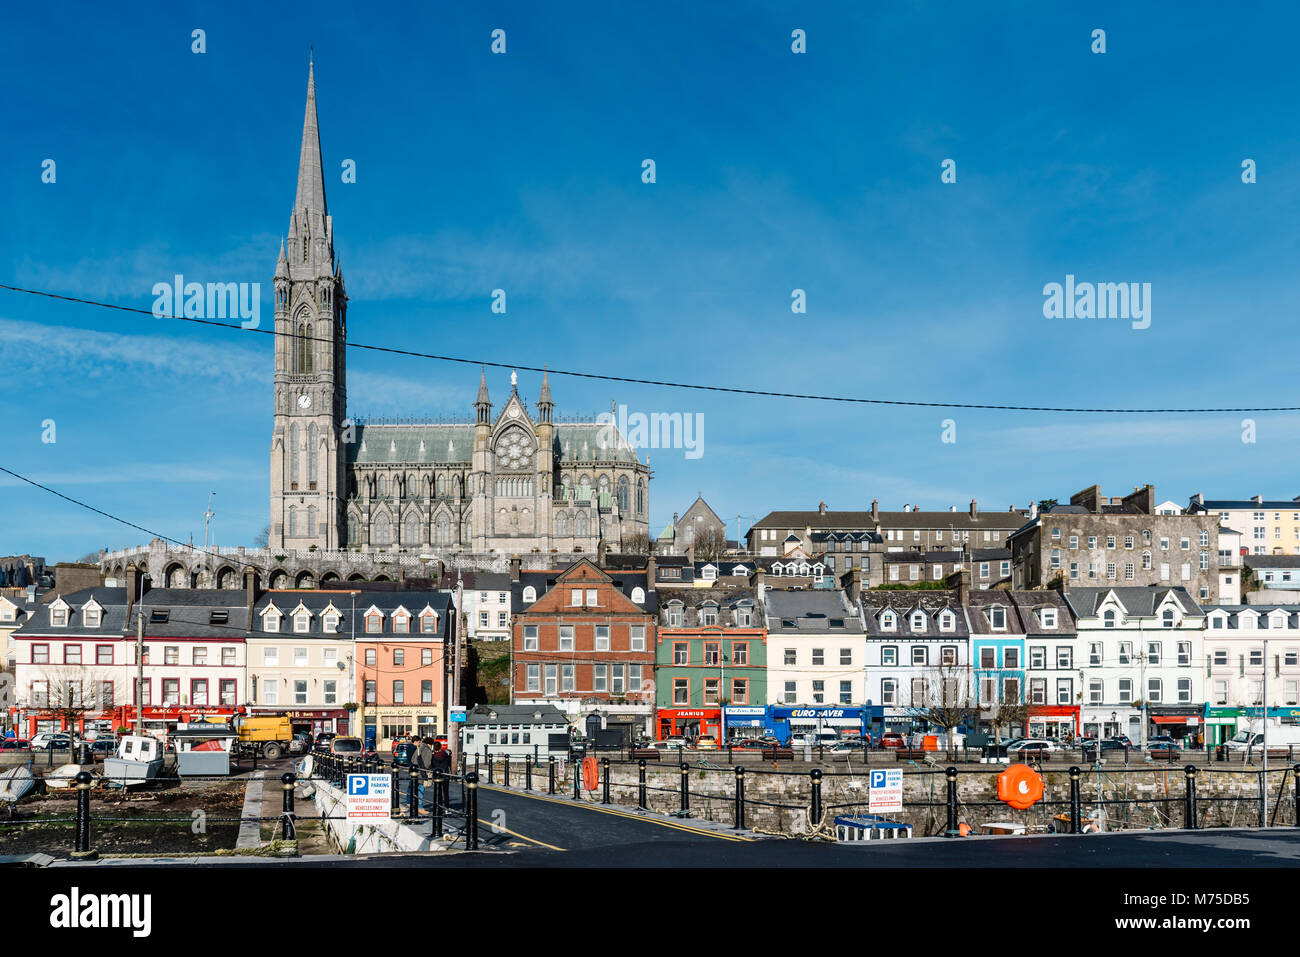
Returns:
(138, 761)
(64, 779)
(15, 783)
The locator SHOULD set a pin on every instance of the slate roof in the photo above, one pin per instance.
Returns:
(932, 601)
(544, 581)
(352, 616)
(811, 611)
(515, 714)
(921, 557)
(863, 520)
(1271, 561)
(1235, 612)
(1138, 601)
(1234, 504)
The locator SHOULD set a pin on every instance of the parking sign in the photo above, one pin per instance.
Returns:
(886, 790)
(369, 796)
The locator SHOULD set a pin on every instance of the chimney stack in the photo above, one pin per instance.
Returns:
(875, 510)
(974, 509)
(651, 572)
(516, 564)
(760, 582)
(132, 585)
(821, 508)
(250, 592)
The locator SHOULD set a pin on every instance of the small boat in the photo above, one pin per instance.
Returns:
(304, 767)
(15, 783)
(138, 761)
(64, 778)
(203, 748)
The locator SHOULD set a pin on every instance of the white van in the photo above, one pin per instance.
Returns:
(1278, 736)
(814, 738)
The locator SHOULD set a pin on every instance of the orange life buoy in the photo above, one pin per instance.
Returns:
(1020, 786)
(963, 829)
(590, 773)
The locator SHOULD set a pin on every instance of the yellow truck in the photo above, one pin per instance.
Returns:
(266, 735)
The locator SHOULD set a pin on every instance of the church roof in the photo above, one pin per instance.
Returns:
(439, 443)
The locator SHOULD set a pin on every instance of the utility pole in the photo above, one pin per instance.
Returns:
(139, 669)
(208, 515)
(453, 727)
(1263, 728)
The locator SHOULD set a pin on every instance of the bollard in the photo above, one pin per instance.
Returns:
(256, 751)
(84, 784)
(49, 754)
(396, 789)
(740, 798)
(604, 767)
(492, 771)
(286, 782)
(686, 790)
(640, 793)
(505, 773)
(436, 831)
(1263, 790)
(951, 775)
(550, 775)
(815, 807)
(412, 793)
(731, 758)
(528, 772)
(1295, 792)
(1189, 810)
(471, 811)
(1076, 813)
(576, 771)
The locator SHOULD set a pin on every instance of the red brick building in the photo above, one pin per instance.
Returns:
(584, 641)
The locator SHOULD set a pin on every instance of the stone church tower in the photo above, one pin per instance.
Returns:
(308, 461)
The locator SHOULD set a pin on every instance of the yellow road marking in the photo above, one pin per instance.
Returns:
(635, 817)
(532, 840)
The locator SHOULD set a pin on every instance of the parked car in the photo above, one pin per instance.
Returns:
(751, 744)
(322, 741)
(51, 741)
(1163, 749)
(1030, 747)
(102, 747)
(1090, 745)
(671, 745)
(349, 747)
(15, 744)
(403, 754)
(706, 742)
(1124, 740)
(892, 739)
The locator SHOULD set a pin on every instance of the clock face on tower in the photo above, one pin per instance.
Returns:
(515, 450)
(304, 401)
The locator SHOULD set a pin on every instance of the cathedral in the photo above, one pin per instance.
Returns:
(515, 482)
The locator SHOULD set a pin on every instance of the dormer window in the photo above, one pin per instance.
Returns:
(709, 615)
(374, 624)
(675, 615)
(401, 623)
(91, 617)
(998, 618)
(1167, 618)
(302, 621)
(271, 619)
(887, 621)
(744, 617)
(59, 617)
(530, 594)
(638, 595)
(330, 622)
(947, 621)
(1108, 618)
(1048, 617)
(917, 622)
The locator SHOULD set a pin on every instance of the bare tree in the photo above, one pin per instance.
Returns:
(261, 538)
(711, 543)
(70, 693)
(945, 698)
(638, 543)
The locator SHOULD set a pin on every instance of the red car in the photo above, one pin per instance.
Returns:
(892, 739)
(15, 744)
(751, 744)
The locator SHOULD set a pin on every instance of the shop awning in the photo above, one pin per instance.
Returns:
(1174, 719)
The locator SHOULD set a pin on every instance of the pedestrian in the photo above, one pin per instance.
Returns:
(441, 765)
(421, 764)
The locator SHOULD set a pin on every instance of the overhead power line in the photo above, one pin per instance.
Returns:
(696, 386)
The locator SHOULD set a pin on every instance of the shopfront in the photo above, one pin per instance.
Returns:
(744, 722)
(785, 722)
(1183, 724)
(689, 723)
(1058, 721)
(316, 721)
(1107, 722)
(1221, 724)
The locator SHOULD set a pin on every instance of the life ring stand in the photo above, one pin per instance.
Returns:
(590, 773)
(1020, 787)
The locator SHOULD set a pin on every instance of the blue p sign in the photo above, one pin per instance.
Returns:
(877, 779)
(358, 784)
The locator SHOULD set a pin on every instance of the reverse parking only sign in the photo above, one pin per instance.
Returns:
(887, 790)
(369, 796)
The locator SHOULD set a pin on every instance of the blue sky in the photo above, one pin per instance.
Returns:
(775, 171)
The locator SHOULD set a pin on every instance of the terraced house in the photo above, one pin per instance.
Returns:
(815, 648)
(710, 655)
(583, 641)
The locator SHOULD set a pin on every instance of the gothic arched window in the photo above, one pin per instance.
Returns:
(561, 524)
(313, 440)
(382, 533)
(293, 454)
(622, 495)
(640, 496)
(411, 535)
(383, 486)
(442, 485)
(302, 348)
(443, 534)
(354, 531)
(293, 522)
(311, 520)
(580, 524)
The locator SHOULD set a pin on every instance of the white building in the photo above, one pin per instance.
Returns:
(1138, 654)
(1247, 646)
(815, 648)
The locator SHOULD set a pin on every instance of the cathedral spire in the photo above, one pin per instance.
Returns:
(483, 405)
(544, 403)
(311, 177)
